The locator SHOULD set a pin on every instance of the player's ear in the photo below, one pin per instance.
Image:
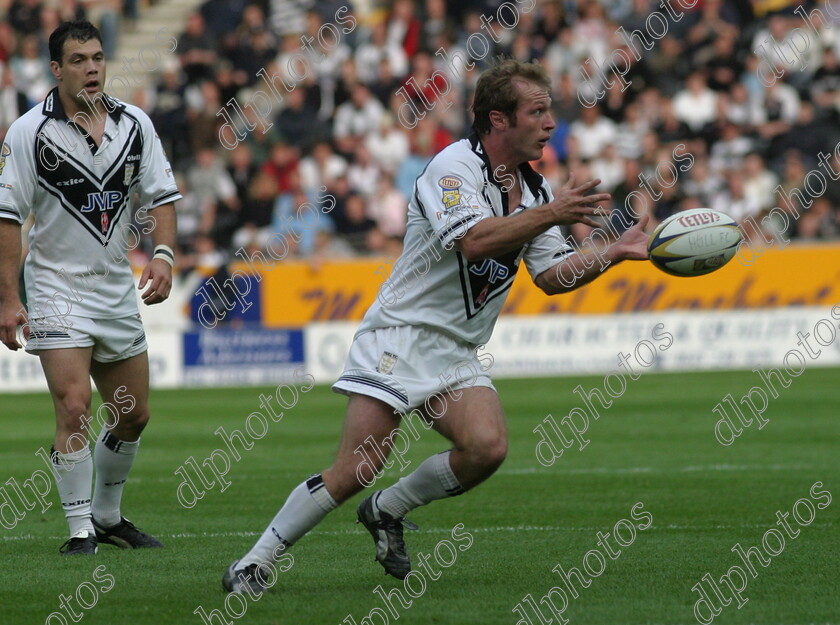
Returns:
(498, 120)
(55, 68)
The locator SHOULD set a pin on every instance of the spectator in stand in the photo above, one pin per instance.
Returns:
(170, 113)
(193, 217)
(331, 57)
(630, 132)
(210, 182)
(388, 207)
(31, 71)
(775, 113)
(609, 167)
(737, 108)
(255, 52)
(257, 212)
(715, 18)
(203, 121)
(825, 85)
(696, 105)
(352, 222)
(298, 123)
(728, 153)
(794, 171)
(25, 16)
(702, 182)
(321, 168)
(669, 128)
(386, 83)
(50, 20)
(422, 149)
(282, 165)
(356, 118)
(809, 134)
(759, 182)
(370, 55)
(388, 145)
(197, 50)
(288, 17)
(592, 132)
(363, 172)
(297, 216)
(222, 16)
(550, 26)
(13, 102)
(821, 221)
(733, 200)
(404, 26)
(242, 169)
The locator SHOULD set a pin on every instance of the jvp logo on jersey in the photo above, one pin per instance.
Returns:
(103, 200)
(494, 270)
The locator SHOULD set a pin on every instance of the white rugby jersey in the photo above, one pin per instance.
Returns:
(432, 283)
(81, 198)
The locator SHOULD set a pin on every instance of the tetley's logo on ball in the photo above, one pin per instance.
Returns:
(699, 219)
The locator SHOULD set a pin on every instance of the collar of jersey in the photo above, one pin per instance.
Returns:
(531, 177)
(53, 108)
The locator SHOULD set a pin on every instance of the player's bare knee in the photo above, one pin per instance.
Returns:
(489, 453)
(71, 409)
(131, 425)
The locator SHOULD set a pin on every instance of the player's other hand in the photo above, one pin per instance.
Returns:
(158, 274)
(632, 244)
(12, 315)
(572, 205)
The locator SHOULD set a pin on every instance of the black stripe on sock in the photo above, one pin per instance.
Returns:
(111, 442)
(315, 483)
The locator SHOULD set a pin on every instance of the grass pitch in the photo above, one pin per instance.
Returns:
(655, 445)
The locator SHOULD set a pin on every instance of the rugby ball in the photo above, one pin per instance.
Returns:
(694, 242)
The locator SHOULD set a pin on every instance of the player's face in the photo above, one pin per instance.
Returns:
(81, 74)
(534, 122)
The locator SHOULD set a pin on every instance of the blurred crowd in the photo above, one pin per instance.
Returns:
(326, 159)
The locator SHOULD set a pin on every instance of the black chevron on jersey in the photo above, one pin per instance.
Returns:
(95, 202)
(483, 280)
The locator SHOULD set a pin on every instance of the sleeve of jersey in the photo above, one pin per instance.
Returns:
(17, 176)
(546, 250)
(157, 182)
(447, 193)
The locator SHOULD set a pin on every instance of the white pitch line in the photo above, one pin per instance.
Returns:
(435, 530)
(627, 470)
(549, 470)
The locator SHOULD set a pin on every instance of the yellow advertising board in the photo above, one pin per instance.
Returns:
(296, 293)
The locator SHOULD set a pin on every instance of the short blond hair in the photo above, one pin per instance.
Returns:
(495, 90)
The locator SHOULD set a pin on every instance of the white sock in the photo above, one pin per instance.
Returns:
(432, 480)
(113, 459)
(73, 473)
(305, 507)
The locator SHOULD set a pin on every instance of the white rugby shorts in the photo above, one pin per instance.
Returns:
(405, 366)
(111, 339)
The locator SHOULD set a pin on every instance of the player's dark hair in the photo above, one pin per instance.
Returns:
(79, 30)
(495, 90)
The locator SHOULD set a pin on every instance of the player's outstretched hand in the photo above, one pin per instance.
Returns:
(12, 315)
(632, 244)
(572, 205)
(160, 274)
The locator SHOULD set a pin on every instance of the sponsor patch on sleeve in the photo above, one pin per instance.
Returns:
(4, 152)
(451, 193)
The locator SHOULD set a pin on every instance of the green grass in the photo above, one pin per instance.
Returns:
(655, 445)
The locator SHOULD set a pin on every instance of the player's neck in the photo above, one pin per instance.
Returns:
(92, 107)
(502, 160)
